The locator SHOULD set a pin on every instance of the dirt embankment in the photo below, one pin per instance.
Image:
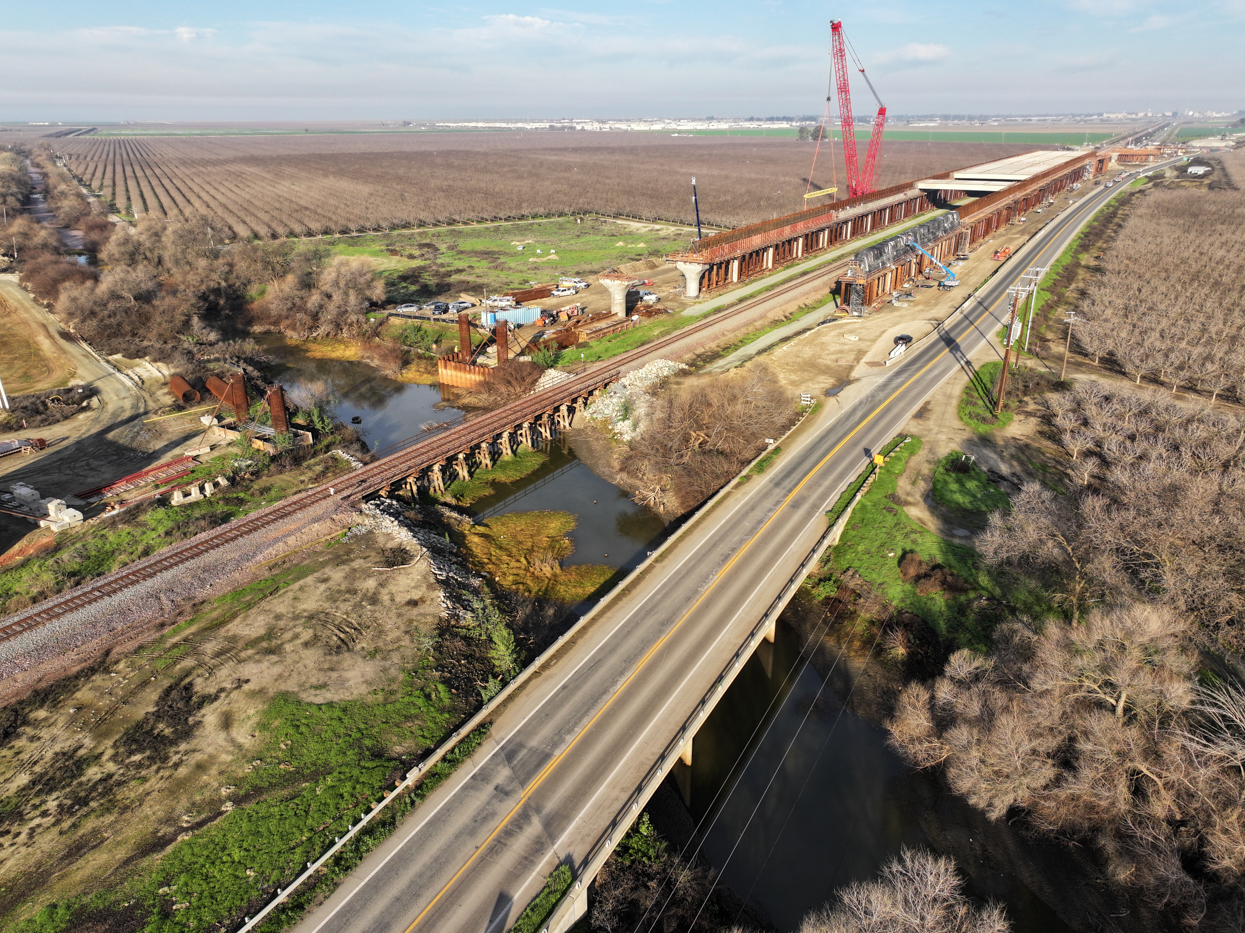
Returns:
(141, 749)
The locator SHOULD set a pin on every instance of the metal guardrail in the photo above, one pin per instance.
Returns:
(416, 774)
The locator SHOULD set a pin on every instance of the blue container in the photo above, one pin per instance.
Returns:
(518, 316)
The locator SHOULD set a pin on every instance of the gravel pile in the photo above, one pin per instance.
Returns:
(548, 379)
(354, 462)
(625, 405)
(69, 639)
(459, 586)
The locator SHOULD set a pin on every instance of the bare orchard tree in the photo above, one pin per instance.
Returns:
(917, 893)
(1044, 534)
(1097, 732)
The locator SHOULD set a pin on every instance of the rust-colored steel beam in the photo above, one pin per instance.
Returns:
(276, 407)
(464, 337)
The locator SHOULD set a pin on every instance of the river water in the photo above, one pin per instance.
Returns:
(796, 795)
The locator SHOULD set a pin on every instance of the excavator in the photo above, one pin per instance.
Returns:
(950, 281)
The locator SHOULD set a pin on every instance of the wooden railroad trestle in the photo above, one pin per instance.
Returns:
(482, 454)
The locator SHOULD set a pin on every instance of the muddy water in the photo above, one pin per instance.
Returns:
(798, 796)
(388, 411)
(612, 529)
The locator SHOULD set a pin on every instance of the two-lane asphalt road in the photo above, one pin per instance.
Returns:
(570, 748)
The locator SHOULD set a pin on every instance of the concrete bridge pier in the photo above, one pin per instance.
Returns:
(692, 271)
(617, 287)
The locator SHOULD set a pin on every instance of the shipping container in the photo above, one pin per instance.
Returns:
(516, 316)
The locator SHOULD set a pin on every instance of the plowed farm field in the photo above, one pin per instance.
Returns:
(273, 186)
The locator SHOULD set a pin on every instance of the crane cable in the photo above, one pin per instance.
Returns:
(827, 127)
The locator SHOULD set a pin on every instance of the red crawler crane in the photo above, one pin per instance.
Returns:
(857, 182)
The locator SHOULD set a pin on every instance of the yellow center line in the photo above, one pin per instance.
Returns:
(539, 779)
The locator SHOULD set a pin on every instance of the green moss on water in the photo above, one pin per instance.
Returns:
(506, 470)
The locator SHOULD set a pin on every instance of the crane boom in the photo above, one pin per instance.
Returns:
(858, 182)
(838, 52)
(951, 281)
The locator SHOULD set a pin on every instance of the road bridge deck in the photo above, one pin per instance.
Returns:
(565, 760)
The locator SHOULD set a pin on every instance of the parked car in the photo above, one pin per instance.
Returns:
(648, 297)
(457, 306)
(572, 283)
(564, 292)
(903, 340)
(436, 307)
(499, 301)
(407, 307)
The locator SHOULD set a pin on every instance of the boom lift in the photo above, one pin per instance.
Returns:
(857, 182)
(950, 281)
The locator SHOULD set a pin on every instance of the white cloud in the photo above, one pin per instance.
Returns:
(190, 33)
(914, 52)
(1108, 8)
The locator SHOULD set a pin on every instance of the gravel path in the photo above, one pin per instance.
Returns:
(69, 641)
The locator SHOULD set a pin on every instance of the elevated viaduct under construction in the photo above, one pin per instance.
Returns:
(1001, 191)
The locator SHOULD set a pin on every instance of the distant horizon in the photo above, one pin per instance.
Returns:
(311, 60)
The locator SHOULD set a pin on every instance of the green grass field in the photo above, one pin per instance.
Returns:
(486, 259)
(967, 492)
(976, 408)
(879, 535)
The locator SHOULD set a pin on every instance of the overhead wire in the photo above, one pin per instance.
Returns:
(796, 671)
(761, 799)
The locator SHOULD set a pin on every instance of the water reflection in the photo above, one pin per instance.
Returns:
(391, 411)
(612, 529)
(817, 799)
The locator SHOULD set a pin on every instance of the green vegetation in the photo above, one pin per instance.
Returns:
(99, 548)
(486, 258)
(319, 768)
(642, 844)
(753, 336)
(506, 470)
(964, 487)
(523, 552)
(621, 342)
(976, 408)
(543, 905)
(881, 534)
(836, 511)
(761, 465)
(547, 357)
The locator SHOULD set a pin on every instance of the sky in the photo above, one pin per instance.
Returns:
(146, 60)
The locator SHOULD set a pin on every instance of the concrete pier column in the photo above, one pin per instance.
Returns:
(734, 270)
(617, 287)
(692, 271)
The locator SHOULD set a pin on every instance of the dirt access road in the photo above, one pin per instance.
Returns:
(96, 446)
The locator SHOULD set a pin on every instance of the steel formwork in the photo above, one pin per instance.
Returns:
(978, 220)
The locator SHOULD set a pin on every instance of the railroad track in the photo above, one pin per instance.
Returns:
(412, 455)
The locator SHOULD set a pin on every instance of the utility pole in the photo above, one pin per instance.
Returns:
(1071, 319)
(1030, 280)
(696, 204)
(1007, 354)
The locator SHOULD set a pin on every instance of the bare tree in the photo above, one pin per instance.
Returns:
(917, 893)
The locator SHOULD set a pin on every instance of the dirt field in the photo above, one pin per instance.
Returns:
(30, 358)
(102, 770)
(272, 185)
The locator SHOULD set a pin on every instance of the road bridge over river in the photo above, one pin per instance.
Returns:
(573, 755)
